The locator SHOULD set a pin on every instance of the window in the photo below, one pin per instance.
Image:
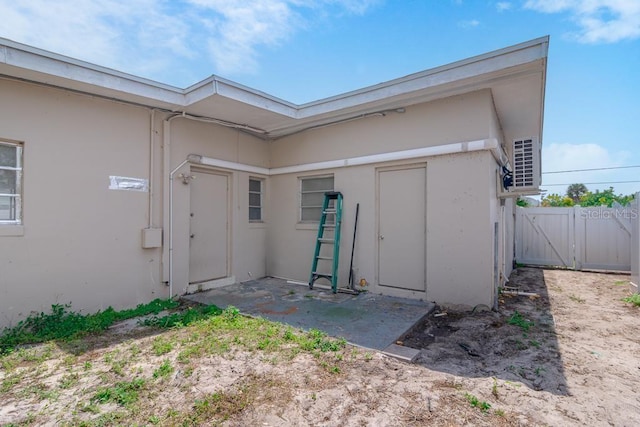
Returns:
(255, 199)
(10, 183)
(312, 196)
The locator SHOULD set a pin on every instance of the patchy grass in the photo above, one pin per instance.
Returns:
(63, 324)
(164, 370)
(123, 382)
(123, 393)
(518, 319)
(633, 299)
(477, 403)
(577, 299)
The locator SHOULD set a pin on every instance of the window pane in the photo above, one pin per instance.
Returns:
(8, 181)
(312, 199)
(255, 214)
(311, 214)
(254, 199)
(8, 156)
(317, 184)
(7, 208)
(254, 185)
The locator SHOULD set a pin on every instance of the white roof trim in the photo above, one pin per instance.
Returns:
(40, 66)
(53, 64)
(472, 67)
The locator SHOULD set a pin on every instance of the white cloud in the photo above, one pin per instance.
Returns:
(502, 6)
(354, 6)
(140, 36)
(237, 28)
(472, 23)
(109, 32)
(599, 21)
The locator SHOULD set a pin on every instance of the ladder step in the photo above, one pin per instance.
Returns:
(324, 257)
(329, 225)
(329, 211)
(319, 275)
(328, 241)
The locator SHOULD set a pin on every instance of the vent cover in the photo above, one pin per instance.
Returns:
(526, 164)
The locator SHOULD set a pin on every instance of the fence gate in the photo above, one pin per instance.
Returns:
(577, 238)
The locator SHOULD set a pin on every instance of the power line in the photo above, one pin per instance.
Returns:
(592, 183)
(594, 169)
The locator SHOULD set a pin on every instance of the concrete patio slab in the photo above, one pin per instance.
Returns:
(366, 320)
(407, 354)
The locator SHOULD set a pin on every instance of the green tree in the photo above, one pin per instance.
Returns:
(556, 200)
(576, 191)
(604, 198)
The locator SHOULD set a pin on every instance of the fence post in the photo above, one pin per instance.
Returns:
(579, 228)
(635, 243)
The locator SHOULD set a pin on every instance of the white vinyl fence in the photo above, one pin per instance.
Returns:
(578, 238)
(635, 249)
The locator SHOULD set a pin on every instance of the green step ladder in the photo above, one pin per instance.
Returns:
(333, 238)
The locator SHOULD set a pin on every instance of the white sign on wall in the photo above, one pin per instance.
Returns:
(128, 184)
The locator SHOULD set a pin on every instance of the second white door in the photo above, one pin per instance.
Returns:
(402, 228)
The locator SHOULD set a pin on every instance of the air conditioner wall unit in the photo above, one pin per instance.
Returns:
(526, 163)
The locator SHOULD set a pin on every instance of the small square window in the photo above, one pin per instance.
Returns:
(10, 183)
(312, 191)
(255, 199)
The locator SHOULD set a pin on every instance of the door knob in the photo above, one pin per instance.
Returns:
(381, 237)
(192, 235)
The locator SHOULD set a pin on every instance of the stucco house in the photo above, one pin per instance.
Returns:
(115, 190)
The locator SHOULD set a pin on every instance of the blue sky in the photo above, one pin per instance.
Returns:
(303, 50)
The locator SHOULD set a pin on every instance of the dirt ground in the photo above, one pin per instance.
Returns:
(578, 363)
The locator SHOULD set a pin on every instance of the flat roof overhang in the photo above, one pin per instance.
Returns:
(515, 75)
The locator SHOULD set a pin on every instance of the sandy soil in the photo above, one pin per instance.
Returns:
(577, 364)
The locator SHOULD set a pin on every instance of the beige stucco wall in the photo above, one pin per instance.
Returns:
(82, 241)
(450, 120)
(461, 197)
(459, 242)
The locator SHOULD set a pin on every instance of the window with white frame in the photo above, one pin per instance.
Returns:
(312, 191)
(256, 198)
(10, 183)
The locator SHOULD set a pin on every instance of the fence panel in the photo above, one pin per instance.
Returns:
(544, 236)
(596, 238)
(603, 238)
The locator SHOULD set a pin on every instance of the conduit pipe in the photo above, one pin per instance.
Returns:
(166, 134)
(437, 150)
(191, 158)
(151, 168)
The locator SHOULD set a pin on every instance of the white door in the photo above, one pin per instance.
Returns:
(209, 225)
(402, 228)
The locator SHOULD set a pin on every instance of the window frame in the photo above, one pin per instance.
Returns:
(301, 194)
(17, 195)
(261, 181)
